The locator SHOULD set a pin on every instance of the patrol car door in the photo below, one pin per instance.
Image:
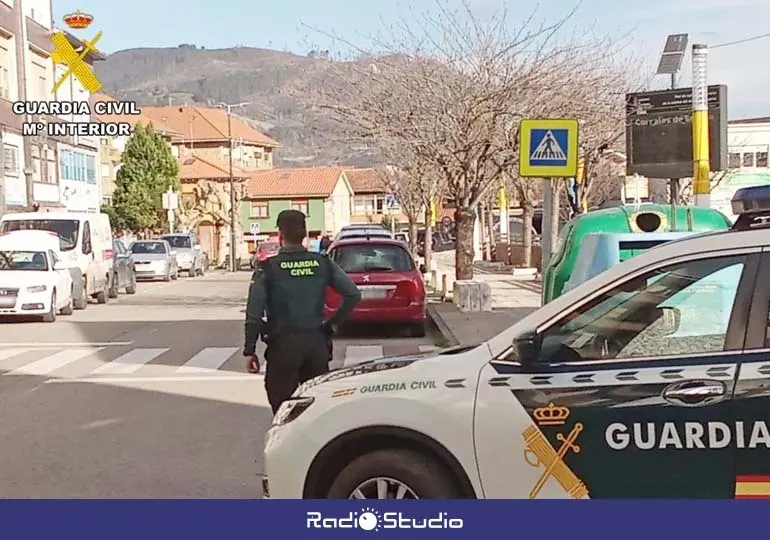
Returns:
(626, 394)
(752, 398)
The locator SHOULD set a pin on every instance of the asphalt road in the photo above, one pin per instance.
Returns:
(145, 397)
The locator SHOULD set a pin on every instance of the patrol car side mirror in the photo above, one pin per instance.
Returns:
(670, 318)
(526, 348)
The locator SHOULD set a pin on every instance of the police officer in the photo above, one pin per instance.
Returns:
(290, 288)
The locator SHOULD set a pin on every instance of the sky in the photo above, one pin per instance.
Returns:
(300, 25)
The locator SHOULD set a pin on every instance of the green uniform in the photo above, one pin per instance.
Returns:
(290, 288)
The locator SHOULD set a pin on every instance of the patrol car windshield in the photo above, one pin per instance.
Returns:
(181, 242)
(23, 260)
(148, 248)
(66, 229)
(372, 258)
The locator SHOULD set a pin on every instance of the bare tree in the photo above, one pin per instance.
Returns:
(408, 197)
(452, 87)
(528, 191)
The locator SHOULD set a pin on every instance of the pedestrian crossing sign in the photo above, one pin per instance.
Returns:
(548, 148)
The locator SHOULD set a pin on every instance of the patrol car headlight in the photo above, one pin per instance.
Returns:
(37, 288)
(291, 409)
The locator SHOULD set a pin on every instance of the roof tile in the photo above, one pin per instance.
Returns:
(132, 119)
(197, 168)
(304, 182)
(207, 124)
(365, 181)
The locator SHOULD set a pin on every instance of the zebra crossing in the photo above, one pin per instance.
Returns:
(103, 361)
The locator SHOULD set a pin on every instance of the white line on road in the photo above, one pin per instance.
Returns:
(243, 377)
(49, 364)
(208, 360)
(130, 362)
(58, 345)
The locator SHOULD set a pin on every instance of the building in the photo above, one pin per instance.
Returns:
(323, 194)
(205, 133)
(55, 172)
(111, 148)
(205, 204)
(748, 143)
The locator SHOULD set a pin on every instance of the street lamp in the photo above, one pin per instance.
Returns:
(233, 212)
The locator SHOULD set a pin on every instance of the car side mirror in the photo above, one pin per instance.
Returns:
(668, 320)
(173, 253)
(423, 269)
(197, 247)
(58, 265)
(526, 348)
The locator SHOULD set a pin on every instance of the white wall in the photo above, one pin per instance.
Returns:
(79, 194)
(743, 138)
(39, 11)
(337, 208)
(15, 182)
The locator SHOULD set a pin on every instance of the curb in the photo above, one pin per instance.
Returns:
(441, 325)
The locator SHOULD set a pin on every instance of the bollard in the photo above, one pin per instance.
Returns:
(433, 280)
(443, 288)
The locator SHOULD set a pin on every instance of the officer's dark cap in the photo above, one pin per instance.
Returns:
(291, 220)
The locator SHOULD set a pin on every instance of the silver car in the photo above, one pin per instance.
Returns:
(154, 259)
(189, 255)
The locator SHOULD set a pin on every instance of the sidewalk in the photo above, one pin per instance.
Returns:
(512, 299)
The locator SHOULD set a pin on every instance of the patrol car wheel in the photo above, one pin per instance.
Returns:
(393, 474)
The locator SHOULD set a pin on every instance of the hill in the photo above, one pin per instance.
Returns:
(270, 81)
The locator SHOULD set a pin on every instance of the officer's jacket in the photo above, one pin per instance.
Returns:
(291, 289)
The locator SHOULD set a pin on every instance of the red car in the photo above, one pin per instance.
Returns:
(265, 250)
(391, 284)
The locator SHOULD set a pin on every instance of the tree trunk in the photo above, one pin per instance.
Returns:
(491, 232)
(413, 235)
(465, 220)
(428, 239)
(528, 214)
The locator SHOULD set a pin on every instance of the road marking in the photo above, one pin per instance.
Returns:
(208, 360)
(130, 362)
(59, 345)
(243, 377)
(355, 354)
(51, 363)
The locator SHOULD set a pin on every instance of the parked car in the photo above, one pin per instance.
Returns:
(33, 281)
(85, 242)
(154, 259)
(123, 271)
(189, 254)
(372, 231)
(391, 283)
(264, 251)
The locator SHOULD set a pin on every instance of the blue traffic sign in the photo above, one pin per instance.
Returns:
(549, 148)
(390, 201)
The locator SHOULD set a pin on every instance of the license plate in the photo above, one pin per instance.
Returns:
(373, 293)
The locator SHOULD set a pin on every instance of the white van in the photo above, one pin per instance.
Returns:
(85, 243)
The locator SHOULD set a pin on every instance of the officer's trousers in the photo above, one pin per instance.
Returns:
(293, 358)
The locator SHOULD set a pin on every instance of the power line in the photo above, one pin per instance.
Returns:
(745, 40)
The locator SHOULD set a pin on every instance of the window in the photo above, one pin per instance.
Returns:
(87, 247)
(734, 160)
(106, 170)
(11, 159)
(363, 205)
(302, 206)
(259, 210)
(148, 247)
(65, 229)
(91, 169)
(677, 310)
(372, 258)
(40, 81)
(5, 72)
(748, 160)
(761, 158)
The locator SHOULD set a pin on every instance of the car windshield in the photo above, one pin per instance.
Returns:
(372, 258)
(23, 260)
(182, 242)
(66, 229)
(269, 246)
(148, 248)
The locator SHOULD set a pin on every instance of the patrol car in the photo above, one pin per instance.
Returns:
(651, 380)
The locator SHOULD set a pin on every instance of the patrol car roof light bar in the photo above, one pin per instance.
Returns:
(752, 206)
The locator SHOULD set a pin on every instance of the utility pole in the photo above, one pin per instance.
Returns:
(233, 212)
(700, 127)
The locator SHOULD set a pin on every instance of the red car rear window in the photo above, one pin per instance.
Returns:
(269, 246)
(372, 257)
